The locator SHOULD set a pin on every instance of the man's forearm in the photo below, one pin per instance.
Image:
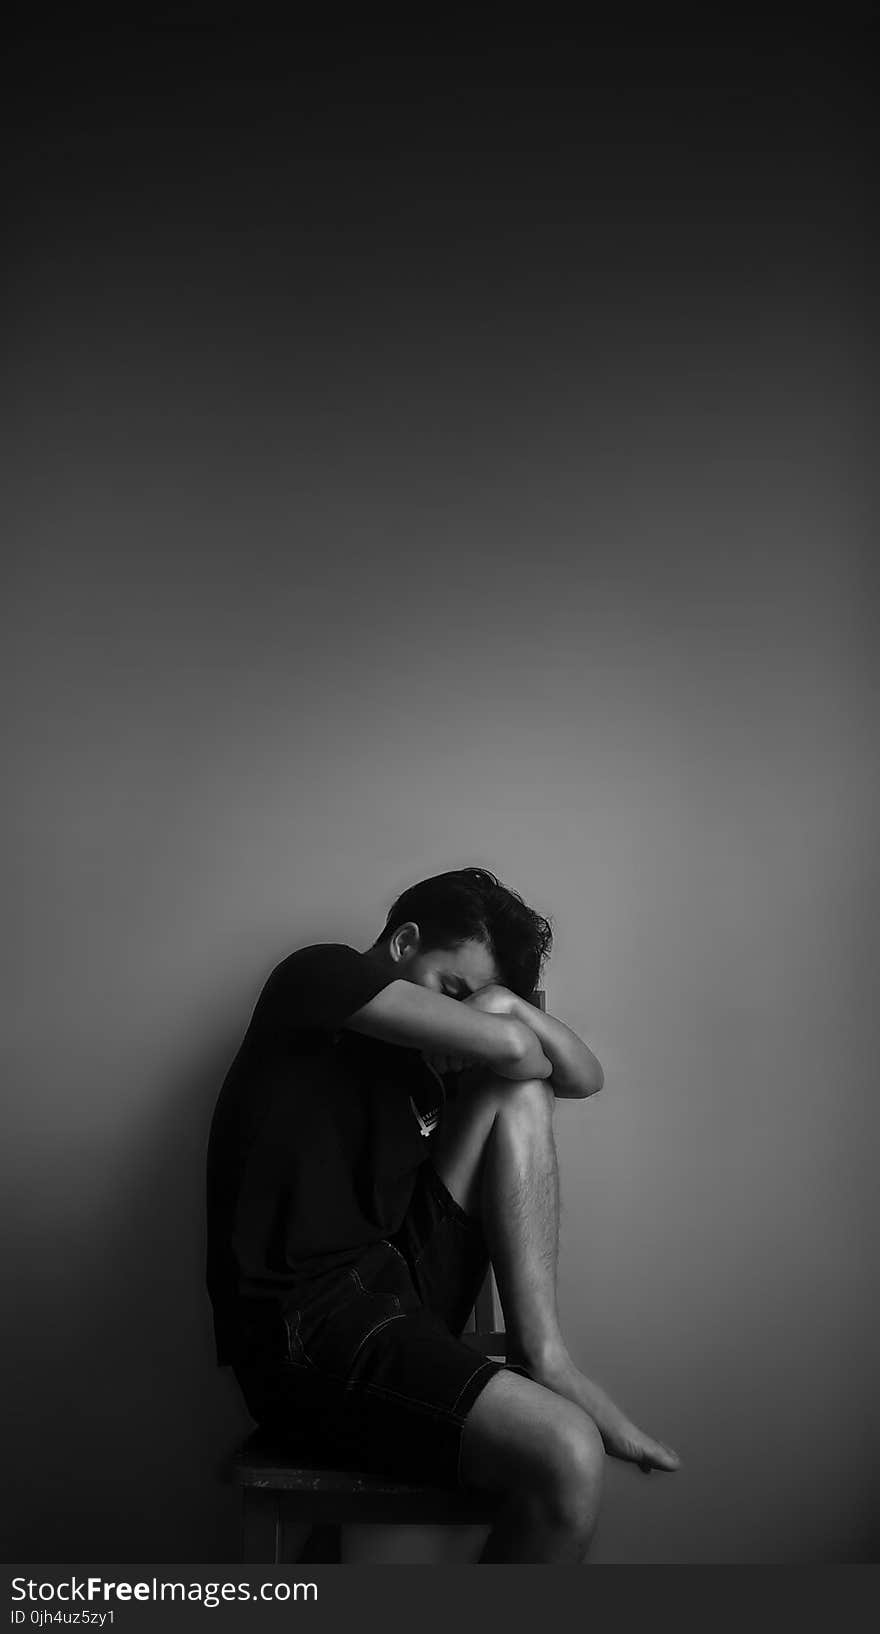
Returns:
(576, 1071)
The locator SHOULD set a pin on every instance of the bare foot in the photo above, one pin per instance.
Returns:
(621, 1438)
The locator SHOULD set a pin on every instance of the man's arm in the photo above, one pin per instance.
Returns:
(408, 1014)
(576, 1073)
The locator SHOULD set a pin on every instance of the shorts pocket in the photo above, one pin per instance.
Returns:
(328, 1332)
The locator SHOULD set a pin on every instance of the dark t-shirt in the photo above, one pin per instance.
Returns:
(314, 1146)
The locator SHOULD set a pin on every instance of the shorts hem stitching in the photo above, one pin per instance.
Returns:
(452, 1208)
(488, 1363)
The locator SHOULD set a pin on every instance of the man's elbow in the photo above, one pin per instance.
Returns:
(596, 1079)
(589, 1083)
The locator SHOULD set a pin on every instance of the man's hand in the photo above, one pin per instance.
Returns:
(442, 1063)
(495, 999)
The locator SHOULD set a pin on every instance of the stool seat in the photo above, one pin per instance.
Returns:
(304, 1484)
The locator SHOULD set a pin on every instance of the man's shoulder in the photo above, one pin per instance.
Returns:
(317, 954)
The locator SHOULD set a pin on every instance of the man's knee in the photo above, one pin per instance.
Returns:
(574, 1475)
(517, 1440)
(522, 1095)
(529, 1096)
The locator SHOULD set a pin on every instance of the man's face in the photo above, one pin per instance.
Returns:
(454, 971)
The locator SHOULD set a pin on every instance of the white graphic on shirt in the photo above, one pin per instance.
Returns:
(427, 1121)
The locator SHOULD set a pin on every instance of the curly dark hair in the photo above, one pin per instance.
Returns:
(470, 903)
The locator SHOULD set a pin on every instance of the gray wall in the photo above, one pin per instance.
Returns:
(383, 505)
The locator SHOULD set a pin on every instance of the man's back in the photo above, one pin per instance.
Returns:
(314, 1146)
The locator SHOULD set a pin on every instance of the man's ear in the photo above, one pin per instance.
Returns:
(405, 940)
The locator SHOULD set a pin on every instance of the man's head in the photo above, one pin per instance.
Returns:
(460, 930)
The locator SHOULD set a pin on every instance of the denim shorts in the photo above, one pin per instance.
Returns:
(372, 1372)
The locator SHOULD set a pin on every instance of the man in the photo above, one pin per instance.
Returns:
(385, 1130)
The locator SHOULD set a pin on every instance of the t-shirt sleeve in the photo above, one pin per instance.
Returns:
(318, 988)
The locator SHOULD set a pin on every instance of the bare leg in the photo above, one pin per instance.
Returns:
(498, 1155)
(545, 1457)
(519, 1204)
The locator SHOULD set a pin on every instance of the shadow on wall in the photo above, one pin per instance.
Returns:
(121, 1418)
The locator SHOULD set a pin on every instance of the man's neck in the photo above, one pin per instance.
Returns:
(381, 958)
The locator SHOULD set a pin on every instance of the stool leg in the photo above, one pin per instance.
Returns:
(260, 1527)
(294, 1533)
